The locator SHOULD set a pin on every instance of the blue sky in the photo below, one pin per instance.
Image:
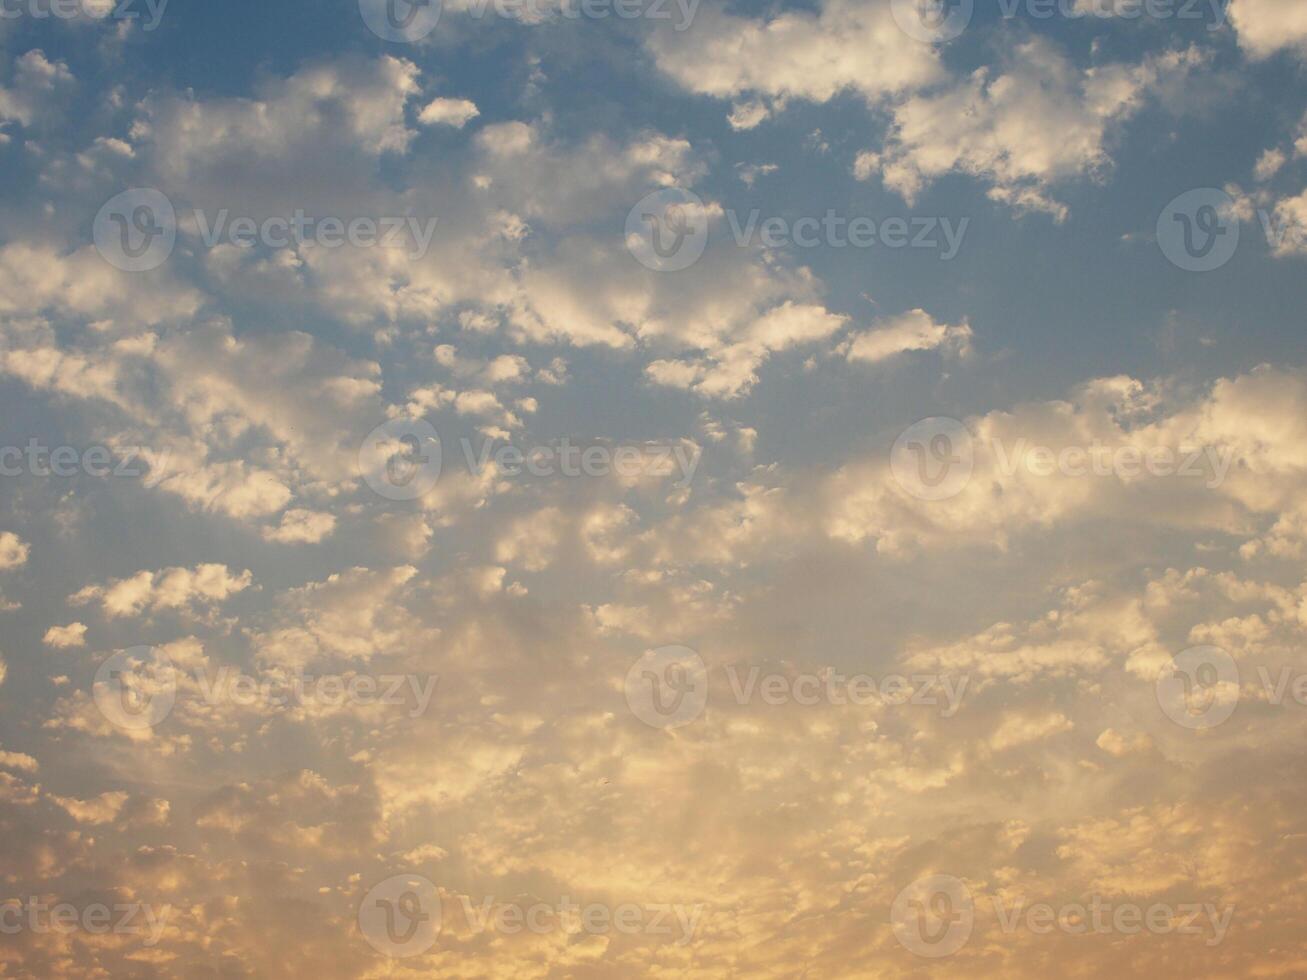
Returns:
(1057, 473)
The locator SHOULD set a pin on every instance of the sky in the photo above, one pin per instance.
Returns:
(653, 488)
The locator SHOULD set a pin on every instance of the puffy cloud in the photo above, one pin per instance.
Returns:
(913, 331)
(448, 112)
(65, 637)
(1035, 122)
(13, 550)
(1267, 26)
(843, 46)
(183, 590)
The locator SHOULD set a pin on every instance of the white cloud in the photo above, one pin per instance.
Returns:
(65, 637)
(448, 112)
(913, 331)
(1267, 26)
(171, 589)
